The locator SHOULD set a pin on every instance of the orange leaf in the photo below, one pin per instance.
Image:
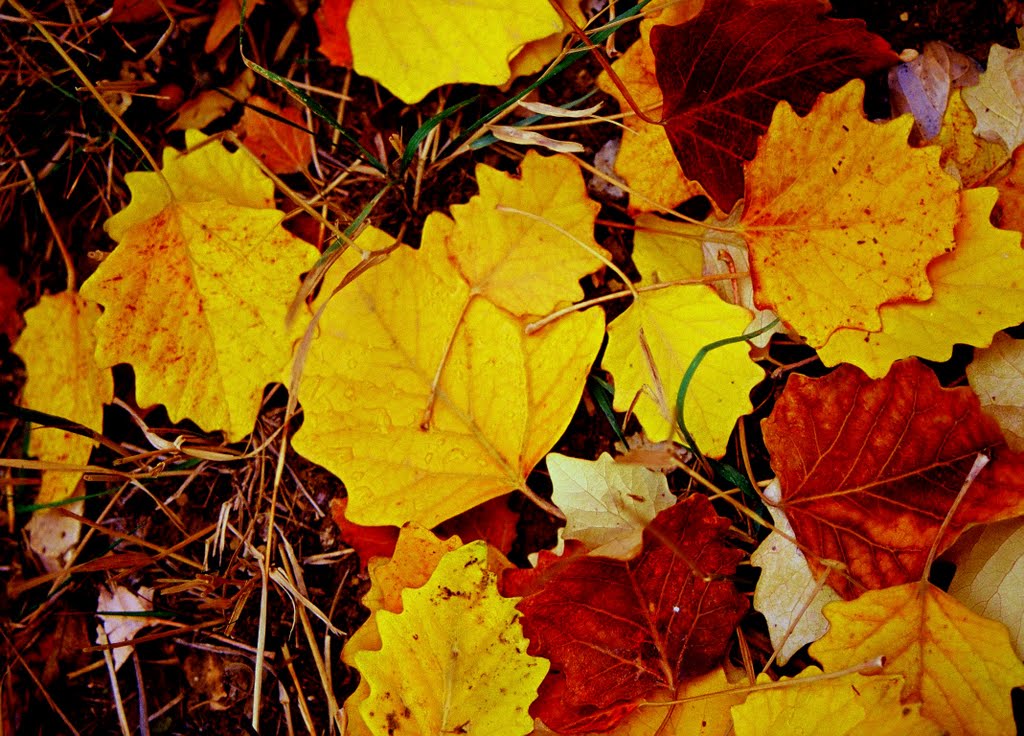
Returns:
(869, 470)
(285, 149)
(843, 216)
(332, 25)
(229, 15)
(958, 665)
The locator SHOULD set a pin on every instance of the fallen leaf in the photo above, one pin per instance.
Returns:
(332, 24)
(959, 666)
(723, 72)
(118, 610)
(966, 157)
(415, 558)
(646, 161)
(492, 521)
(787, 593)
(430, 417)
(536, 55)
(870, 469)
(620, 630)
(853, 704)
(674, 324)
(925, 85)
(1010, 211)
(11, 322)
(416, 45)
(283, 148)
(998, 99)
(454, 660)
(606, 505)
(196, 291)
(225, 22)
(990, 575)
(827, 246)
(964, 308)
(59, 332)
(367, 541)
(212, 104)
(997, 376)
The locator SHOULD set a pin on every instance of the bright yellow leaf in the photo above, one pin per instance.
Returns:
(842, 216)
(58, 347)
(958, 665)
(651, 345)
(646, 161)
(416, 555)
(998, 99)
(966, 306)
(413, 46)
(426, 396)
(607, 505)
(787, 593)
(990, 574)
(667, 250)
(536, 55)
(454, 660)
(853, 704)
(997, 376)
(203, 174)
(195, 294)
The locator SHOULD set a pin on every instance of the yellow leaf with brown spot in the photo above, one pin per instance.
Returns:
(423, 391)
(416, 555)
(842, 216)
(58, 347)
(853, 704)
(195, 293)
(646, 161)
(965, 306)
(454, 660)
(650, 347)
(959, 666)
(413, 46)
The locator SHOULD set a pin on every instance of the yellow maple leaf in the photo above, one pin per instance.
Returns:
(998, 99)
(58, 347)
(842, 216)
(958, 665)
(651, 345)
(423, 392)
(196, 292)
(990, 574)
(415, 558)
(964, 308)
(646, 161)
(997, 376)
(454, 660)
(853, 704)
(413, 46)
(607, 505)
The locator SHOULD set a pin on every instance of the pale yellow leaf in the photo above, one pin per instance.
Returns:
(606, 505)
(997, 376)
(998, 99)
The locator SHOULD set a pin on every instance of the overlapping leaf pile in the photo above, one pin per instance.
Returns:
(429, 390)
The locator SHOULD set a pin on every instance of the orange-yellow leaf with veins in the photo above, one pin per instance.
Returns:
(413, 46)
(965, 306)
(58, 348)
(646, 161)
(423, 392)
(843, 216)
(195, 293)
(958, 665)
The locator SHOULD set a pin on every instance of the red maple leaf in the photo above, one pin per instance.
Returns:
(619, 630)
(723, 72)
(870, 469)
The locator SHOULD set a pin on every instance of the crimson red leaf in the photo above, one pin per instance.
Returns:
(618, 630)
(367, 541)
(723, 72)
(870, 469)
